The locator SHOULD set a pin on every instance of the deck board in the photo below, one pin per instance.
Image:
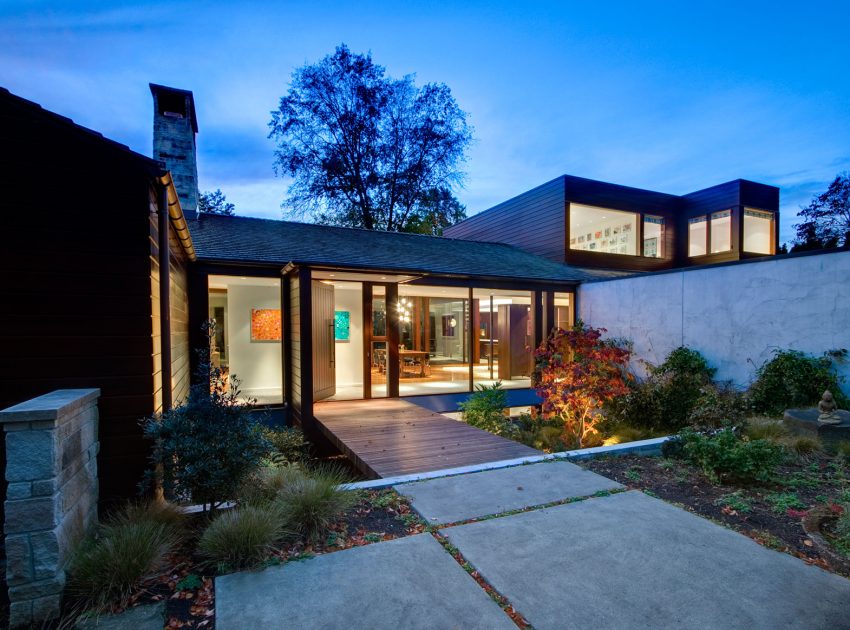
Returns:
(390, 437)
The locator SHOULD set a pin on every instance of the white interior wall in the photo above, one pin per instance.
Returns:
(735, 315)
(257, 364)
(349, 355)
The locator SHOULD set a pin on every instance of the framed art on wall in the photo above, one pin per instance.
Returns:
(265, 325)
(342, 326)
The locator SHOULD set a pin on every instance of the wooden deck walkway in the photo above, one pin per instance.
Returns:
(390, 437)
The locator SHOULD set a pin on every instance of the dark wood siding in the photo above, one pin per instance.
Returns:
(76, 276)
(294, 368)
(533, 221)
(180, 351)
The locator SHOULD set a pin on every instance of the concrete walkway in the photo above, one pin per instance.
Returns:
(622, 560)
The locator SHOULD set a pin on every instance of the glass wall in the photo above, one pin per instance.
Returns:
(378, 352)
(247, 340)
(603, 230)
(503, 324)
(721, 231)
(433, 340)
(758, 231)
(697, 236)
(348, 339)
(653, 236)
(563, 310)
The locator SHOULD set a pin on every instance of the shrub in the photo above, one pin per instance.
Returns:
(577, 373)
(242, 537)
(794, 379)
(485, 409)
(312, 500)
(264, 485)
(111, 563)
(672, 392)
(725, 457)
(717, 406)
(765, 429)
(204, 448)
(167, 514)
(289, 445)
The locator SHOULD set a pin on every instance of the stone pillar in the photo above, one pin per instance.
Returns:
(51, 467)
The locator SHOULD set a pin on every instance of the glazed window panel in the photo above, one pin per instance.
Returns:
(653, 236)
(758, 231)
(603, 231)
(697, 236)
(721, 231)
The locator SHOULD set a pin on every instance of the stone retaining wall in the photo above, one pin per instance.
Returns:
(51, 468)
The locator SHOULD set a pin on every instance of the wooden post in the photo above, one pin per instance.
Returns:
(392, 341)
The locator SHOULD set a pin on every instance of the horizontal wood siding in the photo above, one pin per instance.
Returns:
(75, 266)
(295, 346)
(533, 221)
(180, 350)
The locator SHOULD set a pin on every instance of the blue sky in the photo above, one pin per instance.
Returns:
(662, 95)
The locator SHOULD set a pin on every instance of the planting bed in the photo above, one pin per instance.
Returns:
(187, 586)
(771, 513)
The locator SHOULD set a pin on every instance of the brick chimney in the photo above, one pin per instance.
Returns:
(174, 129)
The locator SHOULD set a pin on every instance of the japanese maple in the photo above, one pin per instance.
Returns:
(577, 372)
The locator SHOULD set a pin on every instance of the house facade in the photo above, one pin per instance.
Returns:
(112, 273)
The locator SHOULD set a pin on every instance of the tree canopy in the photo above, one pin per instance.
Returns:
(826, 220)
(369, 151)
(215, 203)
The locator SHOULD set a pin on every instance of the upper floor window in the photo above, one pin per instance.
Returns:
(758, 231)
(653, 236)
(697, 236)
(603, 230)
(721, 231)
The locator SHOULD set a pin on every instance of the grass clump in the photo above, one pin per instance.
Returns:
(761, 428)
(311, 500)
(109, 564)
(242, 537)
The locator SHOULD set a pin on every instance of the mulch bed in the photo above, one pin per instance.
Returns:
(771, 514)
(188, 586)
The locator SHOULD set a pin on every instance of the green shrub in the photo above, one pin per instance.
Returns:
(242, 537)
(672, 391)
(204, 448)
(311, 501)
(794, 379)
(289, 445)
(485, 409)
(725, 457)
(111, 563)
(717, 406)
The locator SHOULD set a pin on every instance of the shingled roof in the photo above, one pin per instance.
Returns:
(235, 239)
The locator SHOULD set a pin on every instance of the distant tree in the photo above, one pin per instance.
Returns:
(215, 203)
(826, 220)
(366, 150)
(437, 210)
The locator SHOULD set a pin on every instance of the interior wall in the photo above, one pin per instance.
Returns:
(257, 364)
(735, 315)
(349, 355)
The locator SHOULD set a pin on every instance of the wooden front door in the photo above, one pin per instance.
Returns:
(324, 355)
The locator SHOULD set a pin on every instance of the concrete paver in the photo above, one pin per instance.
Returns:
(452, 499)
(631, 561)
(405, 583)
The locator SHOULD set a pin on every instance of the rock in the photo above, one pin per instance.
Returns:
(805, 422)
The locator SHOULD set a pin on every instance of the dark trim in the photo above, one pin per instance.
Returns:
(305, 308)
(286, 344)
(368, 330)
(392, 341)
(164, 254)
(471, 338)
(537, 314)
(199, 309)
(549, 313)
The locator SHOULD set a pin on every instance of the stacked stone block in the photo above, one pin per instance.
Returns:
(51, 500)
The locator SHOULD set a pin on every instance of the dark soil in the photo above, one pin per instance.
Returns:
(771, 514)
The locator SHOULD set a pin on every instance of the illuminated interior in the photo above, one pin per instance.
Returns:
(602, 230)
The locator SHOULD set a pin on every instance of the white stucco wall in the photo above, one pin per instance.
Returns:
(349, 355)
(735, 315)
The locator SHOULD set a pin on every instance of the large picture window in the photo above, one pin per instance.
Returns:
(602, 230)
(697, 236)
(721, 231)
(758, 231)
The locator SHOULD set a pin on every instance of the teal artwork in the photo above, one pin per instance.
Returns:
(341, 326)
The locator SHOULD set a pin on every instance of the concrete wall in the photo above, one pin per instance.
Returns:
(51, 468)
(736, 315)
(256, 364)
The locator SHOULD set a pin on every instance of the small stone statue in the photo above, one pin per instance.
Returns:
(828, 410)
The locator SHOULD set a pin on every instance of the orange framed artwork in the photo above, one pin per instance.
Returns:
(265, 324)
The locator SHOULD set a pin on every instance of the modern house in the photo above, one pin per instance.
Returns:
(583, 222)
(110, 273)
